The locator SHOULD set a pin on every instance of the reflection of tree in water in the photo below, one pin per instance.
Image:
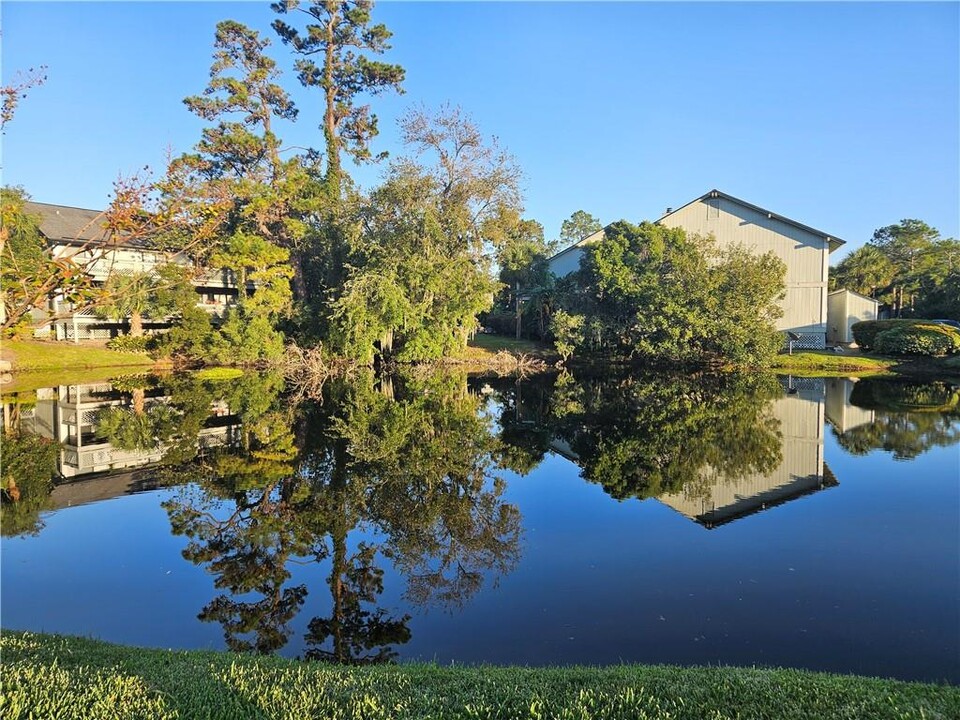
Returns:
(409, 469)
(641, 436)
(244, 525)
(29, 468)
(524, 434)
(909, 418)
(133, 425)
(357, 635)
(435, 498)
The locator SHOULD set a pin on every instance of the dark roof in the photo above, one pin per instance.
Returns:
(60, 222)
(834, 242)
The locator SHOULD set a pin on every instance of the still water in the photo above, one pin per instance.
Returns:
(563, 519)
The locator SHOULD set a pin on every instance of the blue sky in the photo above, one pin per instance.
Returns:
(843, 116)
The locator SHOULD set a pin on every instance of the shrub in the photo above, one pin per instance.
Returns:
(129, 344)
(245, 339)
(919, 339)
(567, 332)
(866, 331)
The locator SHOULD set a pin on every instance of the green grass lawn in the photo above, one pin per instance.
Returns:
(47, 676)
(35, 355)
(826, 362)
(496, 343)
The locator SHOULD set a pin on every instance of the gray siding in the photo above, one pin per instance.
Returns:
(567, 262)
(804, 253)
(844, 308)
(801, 470)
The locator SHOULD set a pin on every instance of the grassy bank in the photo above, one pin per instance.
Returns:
(488, 345)
(36, 356)
(503, 355)
(45, 364)
(53, 676)
(826, 363)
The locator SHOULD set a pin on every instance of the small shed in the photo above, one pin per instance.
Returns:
(844, 308)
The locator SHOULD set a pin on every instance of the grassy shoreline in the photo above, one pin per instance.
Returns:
(826, 363)
(34, 362)
(64, 677)
(40, 355)
(38, 363)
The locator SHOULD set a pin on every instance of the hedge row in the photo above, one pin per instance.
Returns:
(128, 343)
(907, 337)
(865, 332)
(930, 340)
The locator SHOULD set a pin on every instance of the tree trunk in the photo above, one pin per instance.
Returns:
(13, 492)
(332, 180)
(136, 324)
(138, 397)
(299, 279)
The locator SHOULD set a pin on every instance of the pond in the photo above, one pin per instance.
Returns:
(568, 518)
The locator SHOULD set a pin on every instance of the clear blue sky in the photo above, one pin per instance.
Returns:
(843, 116)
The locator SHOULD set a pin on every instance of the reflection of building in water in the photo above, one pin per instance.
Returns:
(800, 413)
(101, 487)
(68, 414)
(840, 413)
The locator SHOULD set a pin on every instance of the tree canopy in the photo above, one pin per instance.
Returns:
(577, 227)
(654, 292)
(908, 267)
(334, 50)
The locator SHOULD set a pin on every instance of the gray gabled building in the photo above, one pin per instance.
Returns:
(78, 235)
(804, 250)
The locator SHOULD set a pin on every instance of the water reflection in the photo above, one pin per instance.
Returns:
(397, 472)
(410, 475)
(901, 417)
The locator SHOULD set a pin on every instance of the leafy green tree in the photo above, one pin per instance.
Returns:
(335, 47)
(577, 227)
(158, 294)
(910, 247)
(567, 332)
(420, 272)
(475, 181)
(248, 205)
(245, 338)
(942, 300)
(191, 335)
(866, 270)
(908, 267)
(653, 292)
(525, 274)
(129, 295)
